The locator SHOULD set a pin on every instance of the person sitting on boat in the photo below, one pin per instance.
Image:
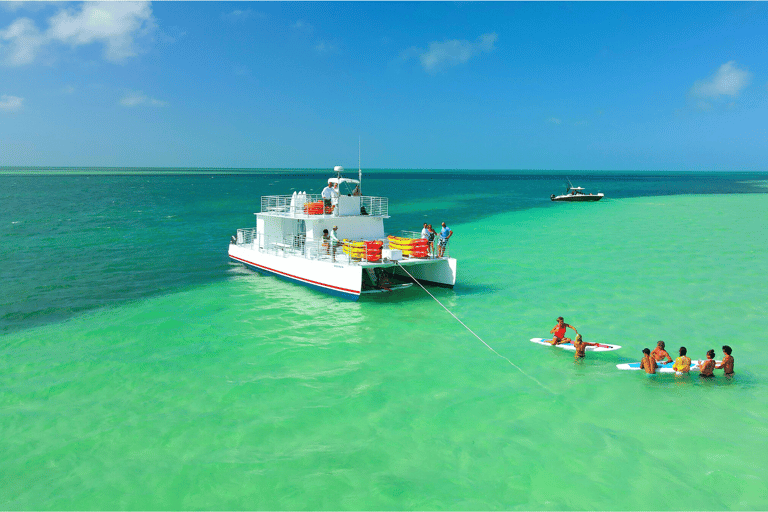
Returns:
(659, 353)
(327, 196)
(356, 192)
(326, 241)
(558, 332)
(335, 242)
(445, 234)
(363, 211)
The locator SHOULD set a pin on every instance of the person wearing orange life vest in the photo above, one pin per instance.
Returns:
(558, 332)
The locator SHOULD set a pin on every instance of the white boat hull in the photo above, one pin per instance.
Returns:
(339, 278)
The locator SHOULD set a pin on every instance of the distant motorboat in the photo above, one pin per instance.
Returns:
(576, 194)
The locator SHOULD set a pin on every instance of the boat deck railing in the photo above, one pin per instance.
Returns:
(282, 205)
(289, 206)
(322, 250)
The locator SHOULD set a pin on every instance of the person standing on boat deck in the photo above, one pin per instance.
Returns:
(335, 199)
(445, 234)
(558, 332)
(431, 239)
(335, 242)
(327, 195)
(425, 232)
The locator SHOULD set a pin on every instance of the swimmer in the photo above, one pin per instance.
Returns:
(648, 363)
(727, 364)
(706, 368)
(683, 363)
(659, 353)
(581, 347)
(558, 332)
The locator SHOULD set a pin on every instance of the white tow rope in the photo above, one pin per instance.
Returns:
(470, 330)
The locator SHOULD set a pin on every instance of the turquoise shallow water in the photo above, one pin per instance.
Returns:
(170, 379)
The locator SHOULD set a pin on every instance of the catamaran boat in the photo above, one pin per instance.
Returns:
(292, 240)
(576, 194)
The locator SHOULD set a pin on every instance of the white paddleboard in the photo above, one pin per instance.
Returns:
(663, 368)
(602, 347)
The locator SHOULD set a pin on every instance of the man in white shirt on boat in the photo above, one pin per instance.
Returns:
(335, 243)
(425, 232)
(327, 196)
(335, 199)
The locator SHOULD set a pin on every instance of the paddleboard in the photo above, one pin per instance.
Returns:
(663, 368)
(602, 347)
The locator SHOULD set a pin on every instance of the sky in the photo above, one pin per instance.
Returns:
(426, 85)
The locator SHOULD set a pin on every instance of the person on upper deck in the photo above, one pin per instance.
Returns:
(327, 196)
(335, 199)
(445, 234)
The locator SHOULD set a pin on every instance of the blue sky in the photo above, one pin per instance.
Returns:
(497, 85)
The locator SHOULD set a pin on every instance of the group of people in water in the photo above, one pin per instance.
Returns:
(682, 364)
(651, 360)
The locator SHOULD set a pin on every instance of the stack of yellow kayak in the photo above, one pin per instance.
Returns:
(412, 247)
(356, 250)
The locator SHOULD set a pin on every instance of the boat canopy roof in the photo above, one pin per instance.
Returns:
(343, 180)
(577, 188)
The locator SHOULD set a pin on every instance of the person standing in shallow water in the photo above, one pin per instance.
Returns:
(707, 367)
(581, 347)
(558, 332)
(648, 363)
(727, 364)
(683, 363)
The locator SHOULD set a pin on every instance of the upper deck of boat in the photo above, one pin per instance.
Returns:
(347, 206)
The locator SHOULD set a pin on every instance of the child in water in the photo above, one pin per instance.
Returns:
(648, 363)
(727, 364)
(683, 363)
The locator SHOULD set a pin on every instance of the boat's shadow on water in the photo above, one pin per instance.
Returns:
(416, 292)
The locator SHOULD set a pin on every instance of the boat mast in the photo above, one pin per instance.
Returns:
(359, 169)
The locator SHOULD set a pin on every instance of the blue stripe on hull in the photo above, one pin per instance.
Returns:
(329, 291)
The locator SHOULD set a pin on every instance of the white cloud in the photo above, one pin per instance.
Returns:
(324, 47)
(554, 120)
(242, 15)
(441, 55)
(20, 42)
(10, 103)
(729, 80)
(138, 98)
(115, 25)
(303, 26)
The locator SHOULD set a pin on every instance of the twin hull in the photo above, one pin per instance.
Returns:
(337, 279)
